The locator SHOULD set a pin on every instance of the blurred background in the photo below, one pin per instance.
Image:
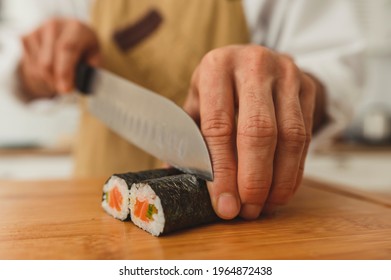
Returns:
(361, 158)
(36, 138)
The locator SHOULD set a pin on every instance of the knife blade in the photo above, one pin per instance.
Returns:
(148, 120)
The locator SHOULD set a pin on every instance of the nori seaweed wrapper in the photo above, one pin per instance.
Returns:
(137, 177)
(185, 201)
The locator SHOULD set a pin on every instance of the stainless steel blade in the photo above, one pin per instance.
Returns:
(151, 122)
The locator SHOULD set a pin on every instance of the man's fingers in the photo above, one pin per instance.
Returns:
(258, 160)
(218, 127)
(49, 33)
(32, 74)
(75, 41)
(291, 134)
(256, 135)
(51, 54)
(307, 104)
(31, 46)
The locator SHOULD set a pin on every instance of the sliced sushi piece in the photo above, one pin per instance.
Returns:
(171, 203)
(115, 200)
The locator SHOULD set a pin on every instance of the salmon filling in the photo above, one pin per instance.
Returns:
(144, 211)
(115, 198)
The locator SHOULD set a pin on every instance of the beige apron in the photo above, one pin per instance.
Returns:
(163, 61)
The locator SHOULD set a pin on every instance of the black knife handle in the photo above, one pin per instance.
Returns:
(84, 77)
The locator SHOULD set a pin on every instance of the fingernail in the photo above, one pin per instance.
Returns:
(250, 211)
(227, 206)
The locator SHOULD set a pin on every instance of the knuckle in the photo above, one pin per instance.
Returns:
(67, 46)
(51, 27)
(291, 72)
(293, 135)
(33, 37)
(76, 23)
(218, 124)
(217, 57)
(256, 53)
(256, 57)
(52, 23)
(222, 167)
(258, 127)
(255, 191)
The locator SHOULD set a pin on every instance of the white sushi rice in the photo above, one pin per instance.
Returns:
(144, 192)
(113, 182)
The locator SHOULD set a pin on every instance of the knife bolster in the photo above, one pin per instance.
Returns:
(84, 76)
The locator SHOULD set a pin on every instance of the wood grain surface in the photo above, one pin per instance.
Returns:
(64, 220)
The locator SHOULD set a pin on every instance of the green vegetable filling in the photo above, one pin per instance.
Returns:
(151, 210)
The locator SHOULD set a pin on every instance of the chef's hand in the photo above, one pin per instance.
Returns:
(50, 55)
(257, 111)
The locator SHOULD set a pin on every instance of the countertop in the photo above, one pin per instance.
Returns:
(64, 220)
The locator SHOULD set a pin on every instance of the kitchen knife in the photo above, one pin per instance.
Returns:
(146, 119)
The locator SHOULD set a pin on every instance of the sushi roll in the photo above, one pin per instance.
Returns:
(167, 204)
(115, 198)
